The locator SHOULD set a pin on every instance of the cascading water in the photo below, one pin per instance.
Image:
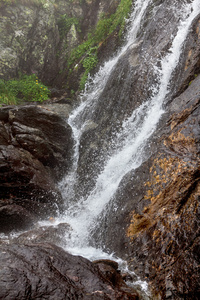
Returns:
(88, 209)
(78, 119)
(131, 141)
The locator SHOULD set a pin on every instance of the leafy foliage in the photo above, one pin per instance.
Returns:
(89, 63)
(6, 2)
(27, 88)
(85, 53)
(65, 23)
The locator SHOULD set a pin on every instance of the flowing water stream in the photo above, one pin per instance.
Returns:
(81, 215)
(133, 137)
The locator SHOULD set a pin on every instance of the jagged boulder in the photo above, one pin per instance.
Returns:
(35, 151)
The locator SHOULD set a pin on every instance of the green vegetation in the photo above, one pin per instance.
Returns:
(6, 2)
(195, 75)
(86, 53)
(65, 23)
(25, 2)
(89, 63)
(27, 88)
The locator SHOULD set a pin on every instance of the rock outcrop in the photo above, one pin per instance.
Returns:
(164, 232)
(37, 271)
(35, 151)
(54, 234)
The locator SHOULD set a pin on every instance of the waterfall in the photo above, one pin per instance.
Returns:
(94, 87)
(131, 141)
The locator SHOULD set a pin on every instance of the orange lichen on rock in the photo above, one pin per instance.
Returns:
(180, 143)
(188, 59)
(170, 181)
(138, 224)
(198, 30)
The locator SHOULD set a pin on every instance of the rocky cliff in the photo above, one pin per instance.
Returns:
(38, 36)
(154, 223)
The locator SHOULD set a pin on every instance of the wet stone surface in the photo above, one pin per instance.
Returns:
(35, 151)
(44, 270)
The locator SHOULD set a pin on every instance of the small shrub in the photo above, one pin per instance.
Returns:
(6, 95)
(27, 88)
(89, 63)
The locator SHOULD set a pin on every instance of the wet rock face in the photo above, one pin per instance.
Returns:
(154, 224)
(109, 269)
(35, 151)
(44, 270)
(55, 234)
(165, 234)
(130, 84)
(14, 217)
(155, 221)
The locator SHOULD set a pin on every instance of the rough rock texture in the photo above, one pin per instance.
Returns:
(169, 224)
(35, 150)
(14, 217)
(45, 271)
(55, 234)
(156, 216)
(130, 84)
(154, 221)
(38, 36)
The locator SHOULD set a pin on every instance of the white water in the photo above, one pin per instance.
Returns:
(79, 118)
(134, 136)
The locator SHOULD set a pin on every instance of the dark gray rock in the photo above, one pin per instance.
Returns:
(44, 134)
(154, 221)
(35, 151)
(109, 270)
(46, 271)
(55, 234)
(14, 217)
